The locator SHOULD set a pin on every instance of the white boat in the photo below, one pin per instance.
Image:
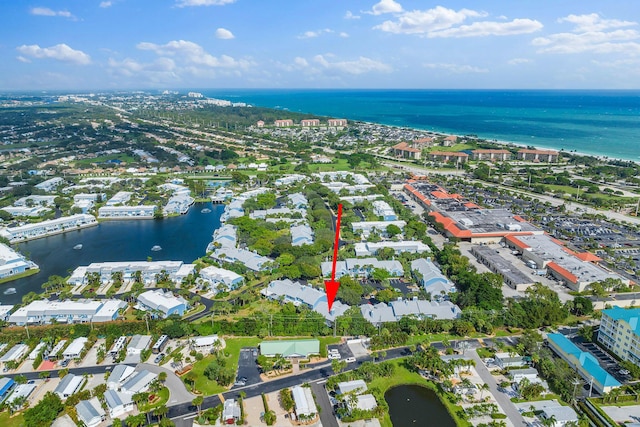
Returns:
(78, 246)
(10, 291)
(156, 248)
(205, 210)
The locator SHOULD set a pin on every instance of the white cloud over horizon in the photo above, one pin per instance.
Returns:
(224, 34)
(456, 68)
(385, 6)
(45, 11)
(187, 3)
(59, 52)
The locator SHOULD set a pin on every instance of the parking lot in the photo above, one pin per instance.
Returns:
(247, 367)
(343, 350)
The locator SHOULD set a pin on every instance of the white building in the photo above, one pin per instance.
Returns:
(39, 348)
(82, 311)
(15, 353)
(205, 344)
(75, 348)
(138, 344)
(12, 263)
(150, 271)
(31, 211)
(349, 386)
(301, 235)
(127, 212)
(118, 345)
(4, 312)
(90, 412)
(305, 405)
(162, 302)
(69, 385)
(231, 411)
(119, 374)
(138, 382)
(47, 228)
(216, 275)
(118, 403)
(57, 349)
(367, 227)
(372, 248)
(290, 179)
(383, 210)
(50, 184)
(120, 198)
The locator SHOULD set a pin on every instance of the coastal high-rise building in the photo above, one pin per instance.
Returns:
(620, 332)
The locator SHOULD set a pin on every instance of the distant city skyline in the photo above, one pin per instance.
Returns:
(386, 44)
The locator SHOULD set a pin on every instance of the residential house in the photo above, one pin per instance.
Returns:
(90, 412)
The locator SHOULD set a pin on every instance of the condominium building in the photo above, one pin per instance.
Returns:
(82, 311)
(150, 271)
(140, 211)
(47, 228)
(162, 302)
(12, 263)
(620, 332)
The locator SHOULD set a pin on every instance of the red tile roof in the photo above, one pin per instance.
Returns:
(563, 272)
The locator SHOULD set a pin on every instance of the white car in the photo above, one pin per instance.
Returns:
(334, 356)
(350, 359)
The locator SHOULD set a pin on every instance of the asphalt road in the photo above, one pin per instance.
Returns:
(326, 409)
(179, 393)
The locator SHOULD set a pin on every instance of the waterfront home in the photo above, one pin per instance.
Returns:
(12, 263)
(164, 303)
(82, 311)
(127, 212)
(47, 228)
(150, 271)
(90, 412)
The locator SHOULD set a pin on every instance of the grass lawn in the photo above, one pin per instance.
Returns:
(164, 398)
(233, 346)
(15, 421)
(29, 272)
(403, 376)
(199, 308)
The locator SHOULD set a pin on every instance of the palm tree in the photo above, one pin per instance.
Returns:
(161, 411)
(162, 377)
(483, 387)
(197, 402)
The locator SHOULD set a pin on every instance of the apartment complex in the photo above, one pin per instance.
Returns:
(620, 332)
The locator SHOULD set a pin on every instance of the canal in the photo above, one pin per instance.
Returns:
(413, 405)
(182, 238)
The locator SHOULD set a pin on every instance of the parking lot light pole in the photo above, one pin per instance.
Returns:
(590, 386)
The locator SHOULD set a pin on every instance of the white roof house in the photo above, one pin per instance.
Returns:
(251, 260)
(301, 235)
(361, 267)
(119, 374)
(4, 311)
(90, 412)
(75, 348)
(149, 270)
(562, 414)
(138, 382)
(382, 209)
(19, 391)
(15, 353)
(231, 411)
(216, 275)
(163, 302)
(118, 403)
(69, 385)
(365, 402)
(81, 311)
(205, 344)
(299, 294)
(289, 179)
(372, 248)
(366, 227)
(304, 403)
(431, 278)
(138, 343)
(120, 198)
(139, 211)
(50, 184)
(36, 350)
(381, 312)
(45, 228)
(57, 349)
(348, 386)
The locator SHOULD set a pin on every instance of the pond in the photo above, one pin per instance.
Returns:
(413, 405)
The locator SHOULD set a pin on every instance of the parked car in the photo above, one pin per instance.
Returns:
(158, 358)
(350, 359)
(334, 356)
(64, 363)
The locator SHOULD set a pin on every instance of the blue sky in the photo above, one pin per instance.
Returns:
(140, 44)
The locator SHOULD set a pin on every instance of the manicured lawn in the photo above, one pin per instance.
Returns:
(164, 398)
(15, 421)
(403, 376)
(232, 348)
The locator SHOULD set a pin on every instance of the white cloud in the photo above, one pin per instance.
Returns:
(106, 4)
(456, 68)
(60, 52)
(385, 6)
(45, 11)
(186, 3)
(590, 35)
(23, 59)
(427, 21)
(314, 34)
(344, 35)
(488, 28)
(224, 34)
(593, 22)
(518, 61)
(618, 41)
(300, 62)
(359, 66)
(193, 55)
(350, 15)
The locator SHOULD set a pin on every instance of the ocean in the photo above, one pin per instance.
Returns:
(601, 123)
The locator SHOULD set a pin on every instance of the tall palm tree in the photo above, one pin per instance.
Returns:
(197, 402)
(161, 411)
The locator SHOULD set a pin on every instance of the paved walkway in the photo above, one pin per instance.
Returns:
(502, 398)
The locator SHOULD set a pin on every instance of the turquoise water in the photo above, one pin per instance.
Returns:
(602, 123)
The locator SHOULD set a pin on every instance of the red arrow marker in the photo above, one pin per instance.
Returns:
(331, 286)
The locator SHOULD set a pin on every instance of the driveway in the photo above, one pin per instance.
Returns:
(322, 399)
(179, 393)
(503, 400)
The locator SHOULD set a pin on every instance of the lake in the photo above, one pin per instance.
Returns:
(413, 405)
(182, 238)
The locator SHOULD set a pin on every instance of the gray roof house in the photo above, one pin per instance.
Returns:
(90, 412)
(118, 403)
(431, 277)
